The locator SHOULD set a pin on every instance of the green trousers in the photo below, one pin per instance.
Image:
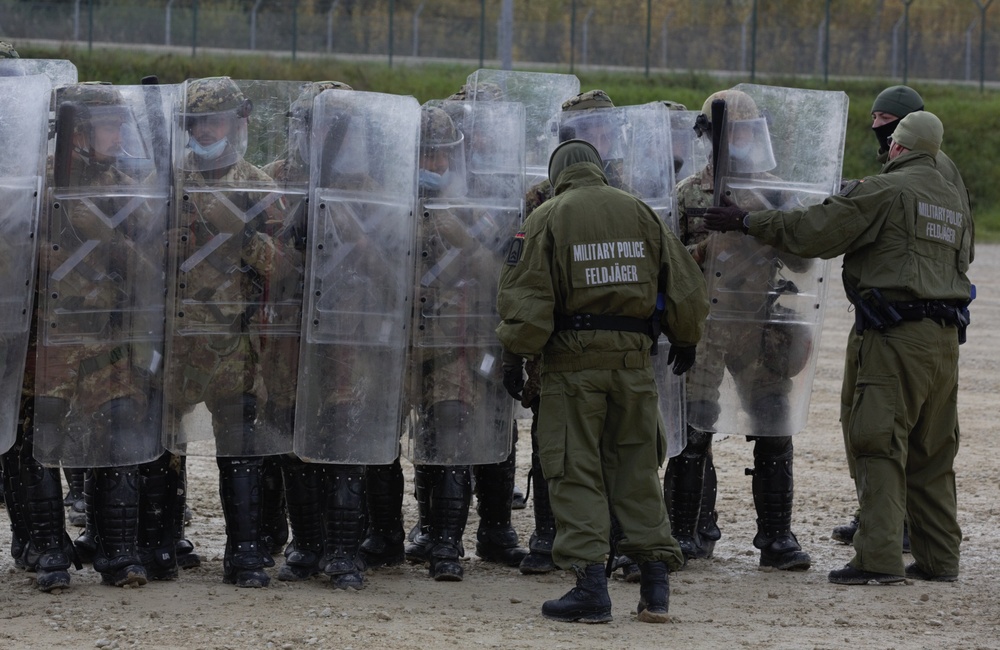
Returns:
(903, 437)
(601, 442)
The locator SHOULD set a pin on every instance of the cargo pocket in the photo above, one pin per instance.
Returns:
(873, 416)
(552, 435)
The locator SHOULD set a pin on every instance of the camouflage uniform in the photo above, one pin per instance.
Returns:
(218, 364)
(7, 51)
(689, 485)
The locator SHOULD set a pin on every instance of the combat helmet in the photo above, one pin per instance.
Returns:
(300, 115)
(586, 117)
(85, 106)
(218, 100)
(7, 51)
(442, 154)
(747, 139)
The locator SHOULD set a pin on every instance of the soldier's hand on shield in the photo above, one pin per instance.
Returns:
(682, 358)
(453, 232)
(725, 218)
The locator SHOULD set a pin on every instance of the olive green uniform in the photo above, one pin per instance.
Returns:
(593, 249)
(907, 233)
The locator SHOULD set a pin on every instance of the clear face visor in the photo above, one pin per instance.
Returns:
(600, 127)
(442, 169)
(113, 133)
(214, 140)
(750, 147)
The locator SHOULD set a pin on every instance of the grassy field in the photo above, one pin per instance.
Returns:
(971, 134)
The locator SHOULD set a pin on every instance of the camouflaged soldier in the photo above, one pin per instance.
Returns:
(325, 507)
(690, 481)
(101, 389)
(213, 357)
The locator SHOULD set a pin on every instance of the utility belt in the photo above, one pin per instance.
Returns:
(881, 314)
(608, 322)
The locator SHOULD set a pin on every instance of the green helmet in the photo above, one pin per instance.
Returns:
(589, 99)
(216, 95)
(7, 51)
(484, 92)
(436, 128)
(899, 101)
(95, 102)
(302, 106)
(919, 131)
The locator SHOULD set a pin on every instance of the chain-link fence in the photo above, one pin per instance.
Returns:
(930, 39)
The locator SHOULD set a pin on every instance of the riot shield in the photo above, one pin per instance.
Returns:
(358, 280)
(234, 270)
(100, 347)
(690, 152)
(24, 103)
(459, 412)
(784, 149)
(542, 95)
(59, 71)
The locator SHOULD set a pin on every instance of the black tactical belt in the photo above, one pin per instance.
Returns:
(944, 312)
(602, 322)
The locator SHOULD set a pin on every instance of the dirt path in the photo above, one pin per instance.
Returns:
(723, 602)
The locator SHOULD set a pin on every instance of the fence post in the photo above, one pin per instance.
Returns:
(416, 29)
(295, 28)
(90, 25)
(906, 38)
(572, 34)
(649, 32)
(482, 31)
(253, 23)
(329, 25)
(392, 12)
(194, 28)
(983, 6)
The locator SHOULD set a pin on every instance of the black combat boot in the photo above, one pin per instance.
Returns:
(86, 542)
(682, 490)
(772, 496)
(383, 545)
(451, 496)
(73, 500)
(418, 540)
(654, 592)
(345, 526)
(157, 493)
(49, 551)
(496, 539)
(19, 534)
(305, 492)
(274, 511)
(116, 514)
(184, 549)
(539, 557)
(587, 602)
(239, 488)
(708, 517)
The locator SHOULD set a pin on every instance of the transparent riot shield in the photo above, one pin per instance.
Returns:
(359, 277)
(459, 412)
(542, 95)
(234, 270)
(783, 150)
(690, 152)
(24, 103)
(59, 71)
(646, 169)
(100, 348)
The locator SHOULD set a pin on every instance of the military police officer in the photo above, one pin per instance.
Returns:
(906, 238)
(579, 293)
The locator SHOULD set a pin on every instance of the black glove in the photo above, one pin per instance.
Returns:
(513, 374)
(681, 357)
(725, 218)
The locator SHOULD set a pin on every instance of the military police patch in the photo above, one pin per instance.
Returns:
(515, 248)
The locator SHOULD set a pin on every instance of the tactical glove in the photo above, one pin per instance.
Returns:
(682, 358)
(513, 375)
(725, 218)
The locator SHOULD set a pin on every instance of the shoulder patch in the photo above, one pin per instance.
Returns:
(515, 248)
(846, 189)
